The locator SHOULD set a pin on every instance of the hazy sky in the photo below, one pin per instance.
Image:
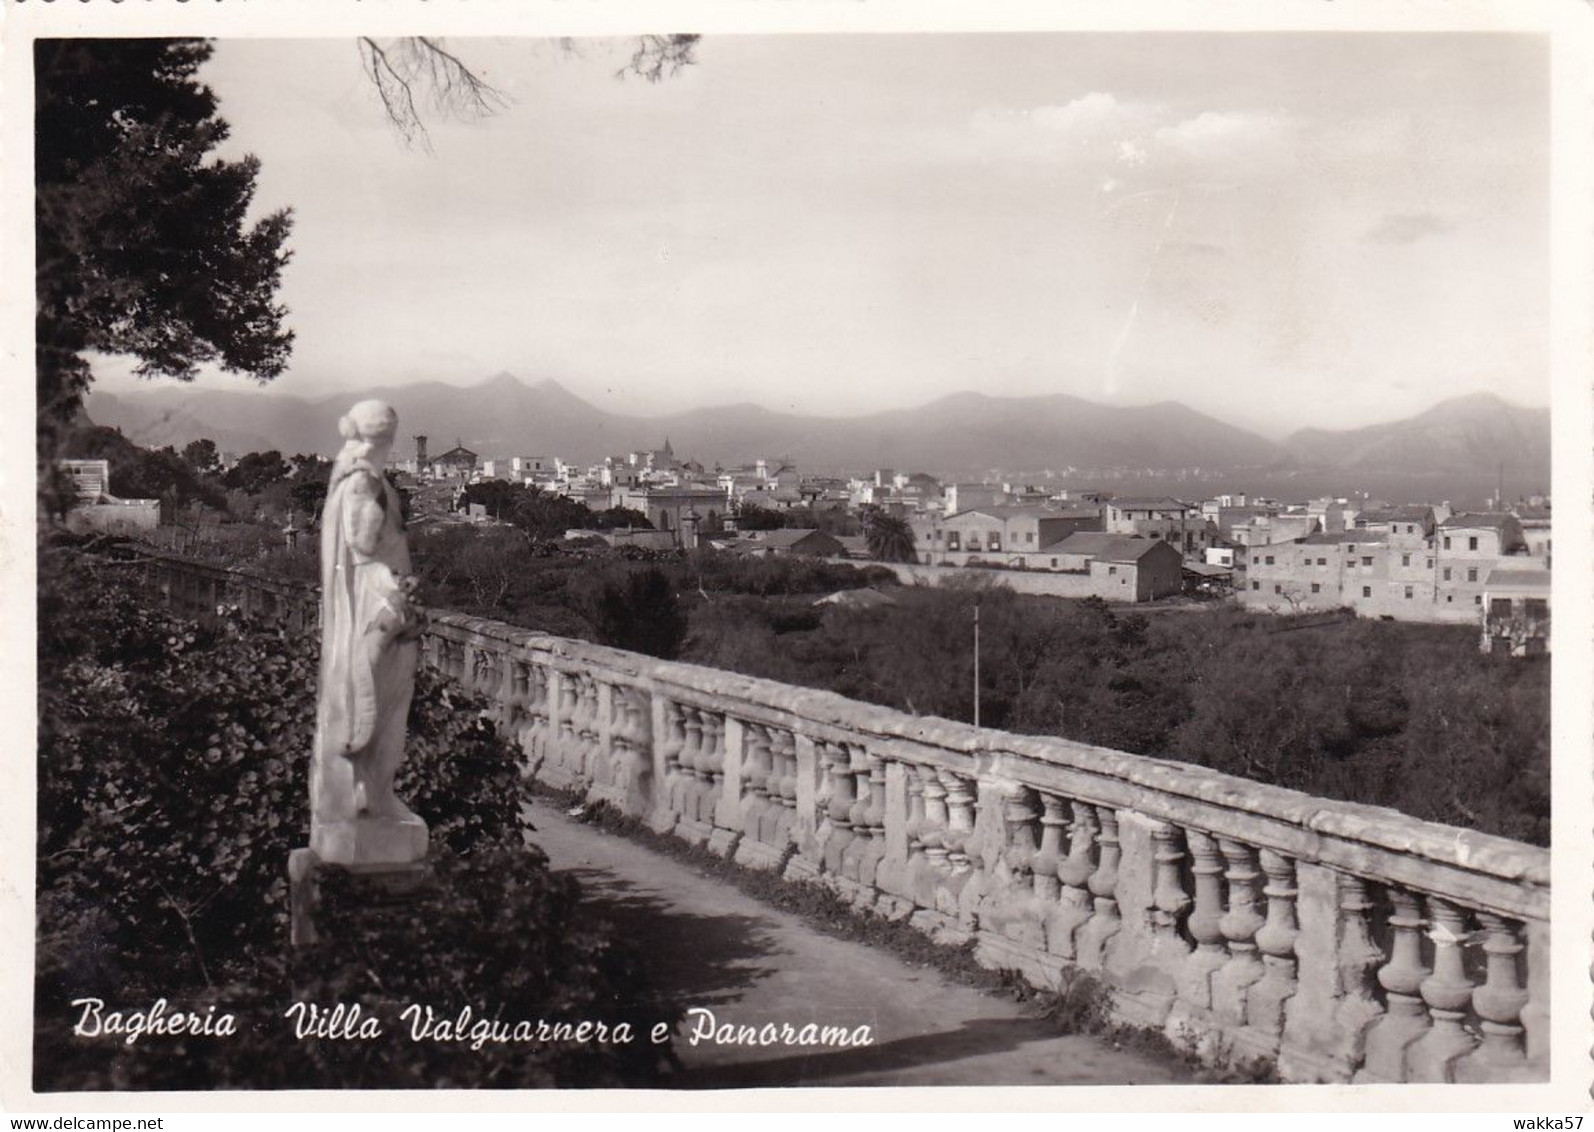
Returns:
(1280, 230)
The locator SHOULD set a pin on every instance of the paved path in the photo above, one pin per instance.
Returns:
(749, 963)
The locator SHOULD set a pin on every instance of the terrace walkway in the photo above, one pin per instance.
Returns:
(720, 949)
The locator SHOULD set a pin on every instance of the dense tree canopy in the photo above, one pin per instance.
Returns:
(144, 246)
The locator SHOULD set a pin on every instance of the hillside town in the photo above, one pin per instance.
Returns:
(1425, 562)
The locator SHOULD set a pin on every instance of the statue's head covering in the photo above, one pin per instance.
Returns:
(368, 426)
(371, 421)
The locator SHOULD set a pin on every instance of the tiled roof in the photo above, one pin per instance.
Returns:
(1083, 542)
(1518, 576)
(1131, 549)
(1472, 520)
(1164, 503)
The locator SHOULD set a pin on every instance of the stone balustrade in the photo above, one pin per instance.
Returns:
(1339, 942)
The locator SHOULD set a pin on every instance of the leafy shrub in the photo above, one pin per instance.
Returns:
(173, 764)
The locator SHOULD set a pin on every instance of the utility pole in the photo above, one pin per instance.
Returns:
(976, 662)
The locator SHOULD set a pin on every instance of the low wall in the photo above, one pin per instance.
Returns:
(1044, 583)
(126, 517)
(1341, 942)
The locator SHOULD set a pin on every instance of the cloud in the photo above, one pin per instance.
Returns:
(1407, 227)
(1215, 133)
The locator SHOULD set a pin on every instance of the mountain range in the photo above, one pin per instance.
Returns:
(963, 433)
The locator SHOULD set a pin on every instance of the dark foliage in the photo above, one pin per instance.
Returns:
(637, 610)
(172, 766)
(256, 471)
(143, 244)
(1408, 716)
(141, 473)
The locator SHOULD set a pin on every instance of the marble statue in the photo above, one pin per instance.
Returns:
(369, 651)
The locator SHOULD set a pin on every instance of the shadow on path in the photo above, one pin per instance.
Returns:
(707, 960)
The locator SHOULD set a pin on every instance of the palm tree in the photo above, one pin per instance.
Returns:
(889, 537)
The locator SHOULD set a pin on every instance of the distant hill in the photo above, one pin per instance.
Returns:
(961, 434)
(1467, 435)
(504, 416)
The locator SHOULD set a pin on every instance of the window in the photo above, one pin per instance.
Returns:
(1256, 559)
(1367, 591)
(1367, 561)
(1447, 573)
(1270, 560)
(1472, 574)
(1256, 585)
(1316, 589)
(952, 540)
(1408, 593)
(1112, 570)
(994, 541)
(1500, 607)
(1472, 542)
(1054, 564)
(1429, 566)
(1410, 529)
(1447, 542)
(1448, 599)
(1405, 560)
(1322, 562)
(1477, 599)
(1537, 608)
(1278, 589)
(1029, 536)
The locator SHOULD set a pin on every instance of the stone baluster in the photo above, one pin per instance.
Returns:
(1170, 903)
(1047, 859)
(591, 747)
(1206, 922)
(842, 796)
(1267, 1002)
(684, 798)
(614, 758)
(1232, 983)
(1502, 1056)
(1357, 961)
(960, 821)
(1405, 1016)
(1448, 993)
(1103, 924)
(874, 820)
(933, 836)
(758, 772)
(668, 724)
(783, 753)
(711, 766)
(1073, 875)
(518, 709)
(858, 815)
(570, 704)
(637, 773)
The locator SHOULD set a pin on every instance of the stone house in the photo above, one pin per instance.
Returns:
(789, 541)
(1137, 569)
(1004, 535)
(1466, 547)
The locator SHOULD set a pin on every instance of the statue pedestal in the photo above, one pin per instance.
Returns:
(368, 841)
(382, 883)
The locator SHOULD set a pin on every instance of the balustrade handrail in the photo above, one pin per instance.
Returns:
(1346, 941)
(1381, 844)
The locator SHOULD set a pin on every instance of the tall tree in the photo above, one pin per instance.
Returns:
(144, 247)
(889, 537)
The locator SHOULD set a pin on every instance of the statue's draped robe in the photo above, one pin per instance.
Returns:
(367, 676)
